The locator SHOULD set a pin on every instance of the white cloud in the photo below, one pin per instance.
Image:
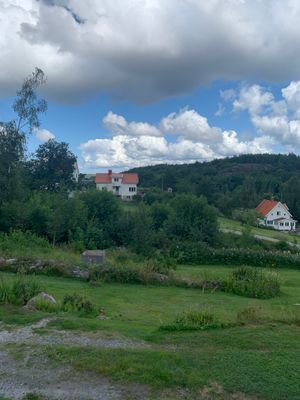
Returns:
(278, 119)
(189, 124)
(43, 135)
(180, 137)
(291, 94)
(146, 50)
(254, 99)
(119, 126)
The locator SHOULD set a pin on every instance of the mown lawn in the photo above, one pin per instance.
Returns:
(236, 225)
(260, 359)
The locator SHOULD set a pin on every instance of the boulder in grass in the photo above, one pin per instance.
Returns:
(31, 305)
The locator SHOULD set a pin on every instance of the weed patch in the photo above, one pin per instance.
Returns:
(194, 320)
(20, 291)
(252, 282)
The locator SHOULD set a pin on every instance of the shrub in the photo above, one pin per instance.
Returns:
(5, 292)
(199, 253)
(193, 320)
(23, 289)
(81, 304)
(22, 241)
(47, 306)
(252, 282)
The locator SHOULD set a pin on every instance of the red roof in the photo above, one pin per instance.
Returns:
(266, 206)
(129, 179)
(103, 178)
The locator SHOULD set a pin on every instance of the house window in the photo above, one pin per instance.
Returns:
(270, 222)
(132, 189)
(278, 212)
(116, 179)
(287, 224)
(281, 223)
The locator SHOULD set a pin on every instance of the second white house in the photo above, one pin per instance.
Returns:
(275, 214)
(123, 185)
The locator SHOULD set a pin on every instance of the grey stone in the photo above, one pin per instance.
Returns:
(31, 305)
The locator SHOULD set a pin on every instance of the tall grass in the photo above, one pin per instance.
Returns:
(19, 291)
(253, 282)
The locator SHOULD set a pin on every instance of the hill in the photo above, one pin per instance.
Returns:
(236, 182)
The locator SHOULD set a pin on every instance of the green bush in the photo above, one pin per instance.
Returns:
(22, 241)
(252, 282)
(47, 306)
(199, 253)
(77, 303)
(5, 292)
(194, 320)
(20, 291)
(23, 289)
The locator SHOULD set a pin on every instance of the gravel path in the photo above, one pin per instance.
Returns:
(30, 370)
(26, 335)
(34, 374)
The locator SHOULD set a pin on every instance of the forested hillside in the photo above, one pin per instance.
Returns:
(231, 183)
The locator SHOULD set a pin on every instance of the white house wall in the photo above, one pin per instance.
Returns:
(279, 208)
(126, 191)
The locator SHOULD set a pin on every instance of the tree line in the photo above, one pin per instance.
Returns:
(38, 194)
(231, 183)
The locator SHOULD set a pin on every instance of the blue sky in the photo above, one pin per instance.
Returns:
(142, 82)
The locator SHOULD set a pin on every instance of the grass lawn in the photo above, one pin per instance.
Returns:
(259, 359)
(236, 225)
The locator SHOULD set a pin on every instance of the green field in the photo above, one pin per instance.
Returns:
(260, 359)
(238, 226)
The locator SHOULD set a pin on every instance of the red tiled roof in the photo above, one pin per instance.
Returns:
(130, 178)
(266, 206)
(103, 178)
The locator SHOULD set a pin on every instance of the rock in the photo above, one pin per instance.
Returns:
(11, 261)
(78, 272)
(160, 277)
(31, 305)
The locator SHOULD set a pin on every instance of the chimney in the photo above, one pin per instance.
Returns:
(109, 172)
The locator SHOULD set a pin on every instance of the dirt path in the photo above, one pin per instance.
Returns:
(29, 370)
(34, 374)
(27, 335)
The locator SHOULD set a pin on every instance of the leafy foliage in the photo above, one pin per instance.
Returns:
(231, 183)
(19, 291)
(253, 282)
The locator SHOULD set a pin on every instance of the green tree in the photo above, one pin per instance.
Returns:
(53, 166)
(27, 107)
(192, 219)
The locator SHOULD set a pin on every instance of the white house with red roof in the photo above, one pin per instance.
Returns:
(276, 215)
(123, 185)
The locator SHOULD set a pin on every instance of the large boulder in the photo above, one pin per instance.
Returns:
(31, 304)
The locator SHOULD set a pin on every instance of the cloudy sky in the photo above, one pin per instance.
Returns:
(138, 82)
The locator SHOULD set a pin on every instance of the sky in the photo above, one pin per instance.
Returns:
(144, 82)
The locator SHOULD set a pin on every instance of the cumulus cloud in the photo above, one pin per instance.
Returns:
(43, 135)
(119, 126)
(146, 50)
(291, 95)
(254, 99)
(278, 119)
(185, 136)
